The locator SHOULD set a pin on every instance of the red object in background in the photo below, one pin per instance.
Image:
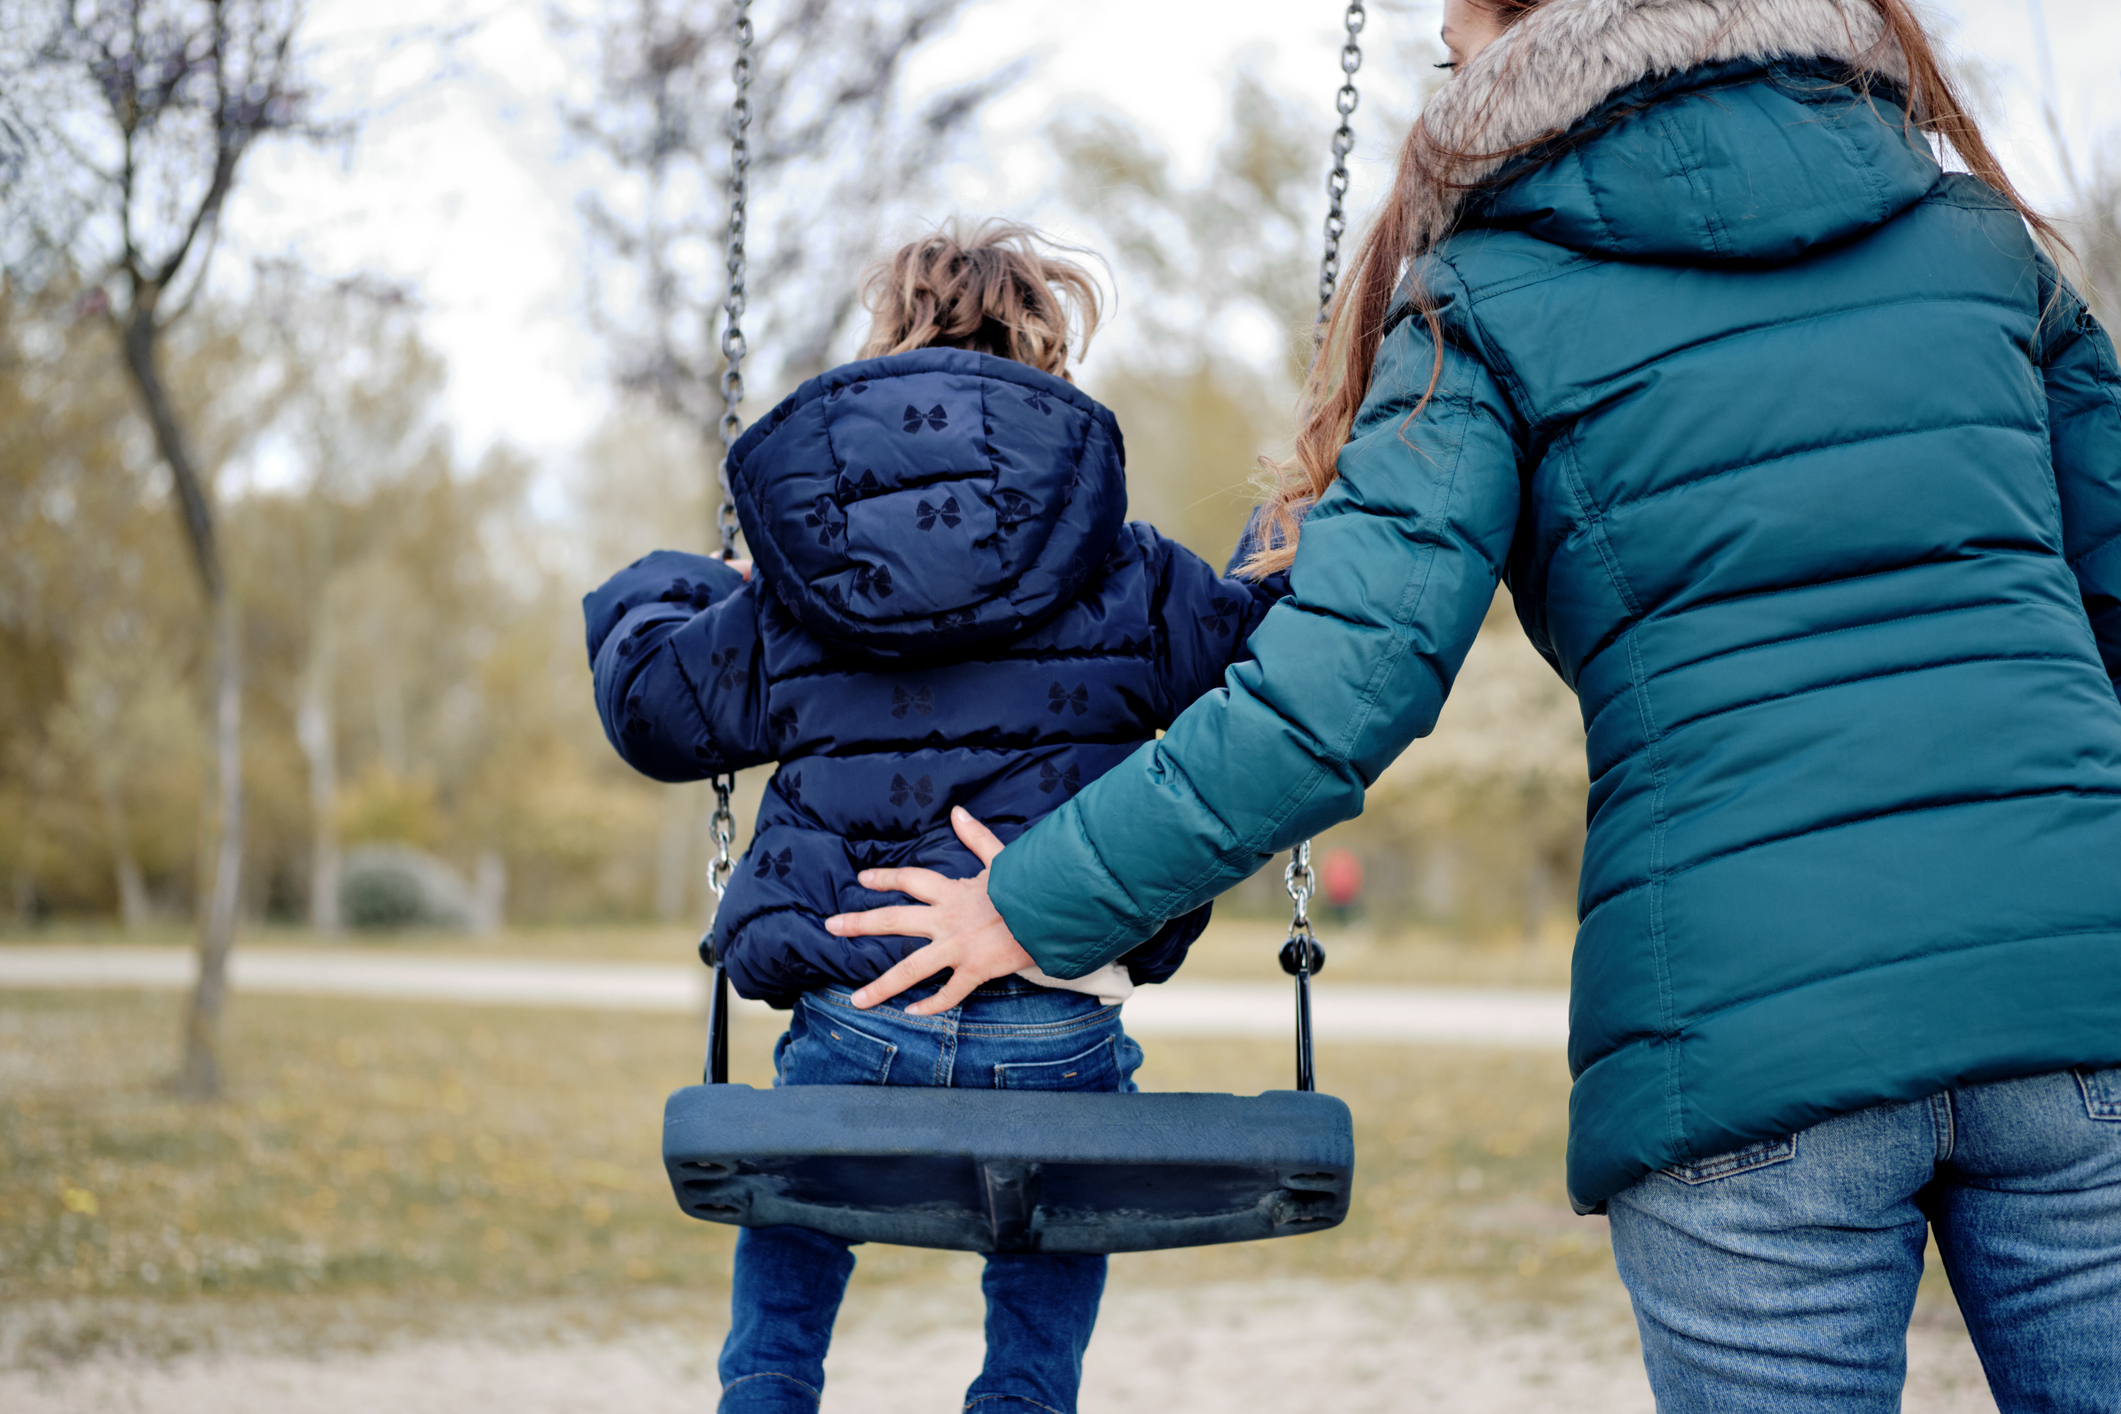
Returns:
(1340, 875)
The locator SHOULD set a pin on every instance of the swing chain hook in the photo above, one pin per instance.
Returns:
(733, 345)
(1343, 144)
(1303, 953)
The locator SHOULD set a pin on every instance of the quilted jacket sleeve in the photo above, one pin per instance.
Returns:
(1396, 567)
(673, 645)
(2084, 429)
(1206, 619)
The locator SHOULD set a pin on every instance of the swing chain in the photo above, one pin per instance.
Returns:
(1302, 953)
(1343, 144)
(733, 346)
(723, 828)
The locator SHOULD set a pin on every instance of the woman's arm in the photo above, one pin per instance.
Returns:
(2084, 431)
(1394, 571)
(673, 644)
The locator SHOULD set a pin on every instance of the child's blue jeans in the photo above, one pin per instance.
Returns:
(1779, 1279)
(1009, 1035)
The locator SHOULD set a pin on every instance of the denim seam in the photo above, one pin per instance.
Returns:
(883, 1070)
(1944, 1119)
(946, 1053)
(1104, 1016)
(816, 1394)
(1002, 1030)
(1751, 1158)
(2098, 1107)
(1110, 1044)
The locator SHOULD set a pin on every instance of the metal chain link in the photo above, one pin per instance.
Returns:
(733, 345)
(1343, 144)
(1301, 884)
(723, 827)
(1301, 955)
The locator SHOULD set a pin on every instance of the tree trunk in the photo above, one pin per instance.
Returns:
(199, 1075)
(25, 894)
(133, 908)
(316, 729)
(674, 854)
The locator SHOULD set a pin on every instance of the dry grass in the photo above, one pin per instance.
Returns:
(442, 1151)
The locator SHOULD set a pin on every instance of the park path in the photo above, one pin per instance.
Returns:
(1344, 1012)
(1287, 1346)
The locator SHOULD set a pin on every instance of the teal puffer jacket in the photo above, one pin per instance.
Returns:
(1805, 473)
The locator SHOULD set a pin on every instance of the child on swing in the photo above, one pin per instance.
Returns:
(950, 619)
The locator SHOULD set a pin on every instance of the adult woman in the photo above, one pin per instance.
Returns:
(1804, 469)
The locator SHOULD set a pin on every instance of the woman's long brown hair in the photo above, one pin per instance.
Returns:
(1413, 219)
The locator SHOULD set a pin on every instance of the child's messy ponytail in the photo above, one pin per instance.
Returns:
(993, 289)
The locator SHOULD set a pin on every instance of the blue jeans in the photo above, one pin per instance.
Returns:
(1780, 1277)
(1009, 1035)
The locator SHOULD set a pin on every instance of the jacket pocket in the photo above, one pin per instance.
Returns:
(827, 1051)
(1094, 1069)
(2102, 1092)
(1766, 1154)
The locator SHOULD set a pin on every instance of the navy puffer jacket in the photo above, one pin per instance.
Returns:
(948, 609)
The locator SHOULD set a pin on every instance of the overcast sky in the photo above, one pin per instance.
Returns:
(466, 189)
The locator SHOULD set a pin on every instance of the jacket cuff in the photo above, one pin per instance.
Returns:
(1055, 894)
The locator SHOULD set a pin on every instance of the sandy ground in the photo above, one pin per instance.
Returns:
(1351, 1348)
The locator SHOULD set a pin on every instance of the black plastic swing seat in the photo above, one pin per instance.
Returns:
(1009, 1170)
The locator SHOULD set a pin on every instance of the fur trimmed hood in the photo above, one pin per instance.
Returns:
(1559, 63)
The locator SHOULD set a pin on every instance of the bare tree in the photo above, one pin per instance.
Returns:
(354, 370)
(130, 121)
(834, 154)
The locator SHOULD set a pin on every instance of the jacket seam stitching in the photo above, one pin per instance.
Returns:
(1494, 358)
(1754, 998)
(1859, 440)
(1573, 406)
(1577, 261)
(1970, 802)
(1719, 239)
(1812, 635)
(1594, 523)
(1660, 952)
(1667, 615)
(1833, 683)
(2099, 549)
(1912, 668)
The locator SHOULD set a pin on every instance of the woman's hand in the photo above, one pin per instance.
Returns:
(968, 935)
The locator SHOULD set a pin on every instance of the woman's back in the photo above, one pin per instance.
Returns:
(1793, 533)
(1808, 480)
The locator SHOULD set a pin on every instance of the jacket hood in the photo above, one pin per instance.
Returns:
(1567, 62)
(918, 504)
(1734, 163)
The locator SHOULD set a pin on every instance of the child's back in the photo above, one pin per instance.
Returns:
(948, 609)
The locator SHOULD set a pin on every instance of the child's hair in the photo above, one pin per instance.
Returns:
(994, 289)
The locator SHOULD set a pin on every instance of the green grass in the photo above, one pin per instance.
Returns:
(431, 1151)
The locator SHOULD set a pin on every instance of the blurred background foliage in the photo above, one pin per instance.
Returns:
(415, 673)
(414, 669)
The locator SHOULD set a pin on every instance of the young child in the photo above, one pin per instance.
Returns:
(948, 609)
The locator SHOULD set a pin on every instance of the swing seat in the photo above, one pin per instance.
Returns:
(1010, 1170)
